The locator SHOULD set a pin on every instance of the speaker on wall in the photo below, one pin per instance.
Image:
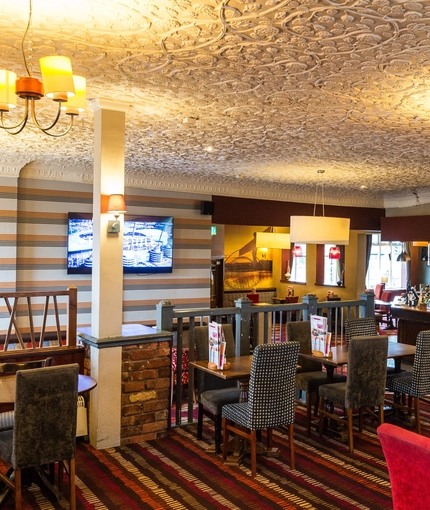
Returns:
(207, 207)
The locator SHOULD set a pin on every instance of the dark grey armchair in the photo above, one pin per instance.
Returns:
(364, 388)
(309, 375)
(44, 429)
(213, 392)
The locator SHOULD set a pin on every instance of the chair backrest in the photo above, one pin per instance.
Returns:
(300, 331)
(45, 415)
(421, 370)
(272, 385)
(365, 326)
(379, 289)
(206, 381)
(408, 461)
(12, 368)
(367, 371)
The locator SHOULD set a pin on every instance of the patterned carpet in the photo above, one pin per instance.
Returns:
(177, 473)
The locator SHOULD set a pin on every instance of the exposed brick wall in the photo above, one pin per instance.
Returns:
(145, 391)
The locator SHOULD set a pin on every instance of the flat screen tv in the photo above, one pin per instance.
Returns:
(147, 244)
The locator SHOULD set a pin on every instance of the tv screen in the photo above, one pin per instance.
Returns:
(147, 244)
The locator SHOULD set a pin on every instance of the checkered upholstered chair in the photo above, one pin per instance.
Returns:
(213, 392)
(415, 383)
(365, 326)
(309, 375)
(271, 398)
(44, 431)
(364, 388)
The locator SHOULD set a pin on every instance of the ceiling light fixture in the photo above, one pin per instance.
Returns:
(319, 229)
(58, 83)
(272, 240)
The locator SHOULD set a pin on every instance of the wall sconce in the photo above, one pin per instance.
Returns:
(116, 206)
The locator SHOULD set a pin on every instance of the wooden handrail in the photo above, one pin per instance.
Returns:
(70, 329)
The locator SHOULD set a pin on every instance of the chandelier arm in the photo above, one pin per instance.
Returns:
(58, 135)
(33, 116)
(21, 124)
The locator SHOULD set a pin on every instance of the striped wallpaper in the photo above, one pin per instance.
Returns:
(33, 238)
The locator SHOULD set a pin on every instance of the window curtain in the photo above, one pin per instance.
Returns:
(340, 266)
(408, 250)
(368, 250)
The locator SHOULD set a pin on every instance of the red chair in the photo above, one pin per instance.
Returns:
(379, 289)
(408, 461)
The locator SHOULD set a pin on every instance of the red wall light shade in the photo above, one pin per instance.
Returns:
(334, 253)
(297, 251)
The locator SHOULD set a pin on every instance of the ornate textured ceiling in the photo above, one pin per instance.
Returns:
(278, 89)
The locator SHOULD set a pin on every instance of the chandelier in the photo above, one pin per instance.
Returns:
(319, 229)
(58, 83)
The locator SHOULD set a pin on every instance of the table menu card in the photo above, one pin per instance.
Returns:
(217, 345)
(321, 339)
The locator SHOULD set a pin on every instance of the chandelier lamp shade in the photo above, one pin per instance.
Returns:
(319, 229)
(272, 240)
(58, 83)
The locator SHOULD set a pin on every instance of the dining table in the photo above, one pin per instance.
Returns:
(339, 357)
(8, 383)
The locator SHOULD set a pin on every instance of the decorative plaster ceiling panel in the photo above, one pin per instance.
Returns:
(278, 89)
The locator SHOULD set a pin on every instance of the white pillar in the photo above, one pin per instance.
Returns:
(107, 274)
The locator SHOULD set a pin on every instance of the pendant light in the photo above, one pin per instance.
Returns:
(319, 229)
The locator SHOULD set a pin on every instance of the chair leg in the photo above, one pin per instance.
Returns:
(350, 434)
(321, 427)
(18, 489)
(225, 433)
(72, 488)
(417, 414)
(218, 426)
(381, 415)
(291, 444)
(200, 421)
(269, 438)
(308, 411)
(253, 441)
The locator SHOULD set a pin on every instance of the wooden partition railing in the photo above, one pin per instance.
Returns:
(253, 324)
(23, 331)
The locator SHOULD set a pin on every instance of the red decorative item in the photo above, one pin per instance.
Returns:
(297, 251)
(334, 253)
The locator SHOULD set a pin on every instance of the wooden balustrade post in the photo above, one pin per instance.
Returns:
(369, 309)
(164, 315)
(72, 316)
(244, 319)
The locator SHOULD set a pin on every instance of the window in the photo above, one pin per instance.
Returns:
(383, 265)
(298, 266)
(332, 265)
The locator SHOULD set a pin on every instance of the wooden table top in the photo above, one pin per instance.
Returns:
(240, 367)
(8, 384)
(340, 354)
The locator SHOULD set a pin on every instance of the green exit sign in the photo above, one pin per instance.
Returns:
(213, 230)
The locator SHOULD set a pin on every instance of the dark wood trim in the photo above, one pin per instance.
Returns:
(248, 211)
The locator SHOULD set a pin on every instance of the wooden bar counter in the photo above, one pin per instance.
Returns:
(411, 320)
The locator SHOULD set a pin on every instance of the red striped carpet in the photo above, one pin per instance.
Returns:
(177, 473)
